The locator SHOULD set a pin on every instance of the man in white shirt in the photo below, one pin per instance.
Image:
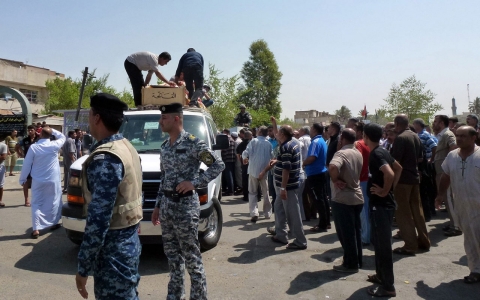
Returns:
(145, 61)
(461, 173)
(305, 139)
(42, 164)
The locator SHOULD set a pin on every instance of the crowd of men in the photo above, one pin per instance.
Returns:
(369, 178)
(366, 176)
(18, 148)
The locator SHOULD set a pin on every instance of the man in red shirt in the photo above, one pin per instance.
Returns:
(365, 151)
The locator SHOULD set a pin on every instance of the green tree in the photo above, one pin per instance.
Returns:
(343, 114)
(261, 80)
(411, 98)
(64, 93)
(225, 92)
(474, 107)
(260, 117)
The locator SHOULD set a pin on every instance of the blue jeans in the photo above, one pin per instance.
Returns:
(208, 102)
(229, 176)
(365, 215)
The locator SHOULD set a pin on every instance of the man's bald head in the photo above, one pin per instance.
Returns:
(466, 136)
(349, 136)
(46, 132)
(248, 135)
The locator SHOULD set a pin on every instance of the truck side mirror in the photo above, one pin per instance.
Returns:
(221, 142)
(87, 141)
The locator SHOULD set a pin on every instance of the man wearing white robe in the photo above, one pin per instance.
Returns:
(42, 164)
(462, 172)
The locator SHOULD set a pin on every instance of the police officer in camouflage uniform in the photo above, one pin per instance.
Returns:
(243, 118)
(112, 189)
(178, 208)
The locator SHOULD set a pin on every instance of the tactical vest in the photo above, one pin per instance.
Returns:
(128, 204)
(243, 119)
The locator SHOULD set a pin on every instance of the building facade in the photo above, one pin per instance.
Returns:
(30, 80)
(308, 117)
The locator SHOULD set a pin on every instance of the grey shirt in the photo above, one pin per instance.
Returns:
(145, 61)
(68, 148)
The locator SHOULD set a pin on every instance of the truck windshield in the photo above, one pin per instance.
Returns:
(145, 134)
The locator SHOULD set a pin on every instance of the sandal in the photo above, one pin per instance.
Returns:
(381, 292)
(293, 246)
(27, 204)
(403, 251)
(2, 204)
(373, 278)
(472, 278)
(34, 235)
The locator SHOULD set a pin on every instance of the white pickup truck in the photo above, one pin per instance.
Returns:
(142, 129)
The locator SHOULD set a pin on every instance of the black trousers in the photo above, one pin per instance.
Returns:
(245, 182)
(193, 74)
(137, 81)
(348, 226)
(426, 195)
(317, 189)
(381, 223)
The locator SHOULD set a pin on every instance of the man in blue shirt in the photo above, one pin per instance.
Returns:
(191, 64)
(427, 188)
(315, 167)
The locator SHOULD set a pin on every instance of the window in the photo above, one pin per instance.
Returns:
(31, 95)
(145, 134)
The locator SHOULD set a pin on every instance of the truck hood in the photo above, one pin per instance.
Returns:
(150, 162)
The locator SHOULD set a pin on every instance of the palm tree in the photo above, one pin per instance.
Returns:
(343, 114)
(474, 106)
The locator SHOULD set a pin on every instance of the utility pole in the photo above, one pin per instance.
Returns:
(85, 73)
(468, 94)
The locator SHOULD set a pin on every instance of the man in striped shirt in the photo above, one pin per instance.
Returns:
(287, 209)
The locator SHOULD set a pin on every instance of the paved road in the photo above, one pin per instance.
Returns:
(245, 264)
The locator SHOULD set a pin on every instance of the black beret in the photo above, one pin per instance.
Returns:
(174, 108)
(107, 102)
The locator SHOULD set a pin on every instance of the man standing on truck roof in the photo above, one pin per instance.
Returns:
(191, 64)
(145, 61)
(243, 118)
(112, 189)
(178, 207)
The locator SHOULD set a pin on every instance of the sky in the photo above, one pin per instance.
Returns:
(331, 53)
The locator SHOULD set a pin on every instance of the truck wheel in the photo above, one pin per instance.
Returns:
(75, 237)
(210, 238)
(219, 194)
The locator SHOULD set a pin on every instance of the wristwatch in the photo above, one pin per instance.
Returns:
(282, 189)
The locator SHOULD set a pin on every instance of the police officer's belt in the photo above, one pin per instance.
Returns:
(176, 196)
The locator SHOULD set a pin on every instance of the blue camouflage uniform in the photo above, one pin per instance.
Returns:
(179, 216)
(111, 255)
